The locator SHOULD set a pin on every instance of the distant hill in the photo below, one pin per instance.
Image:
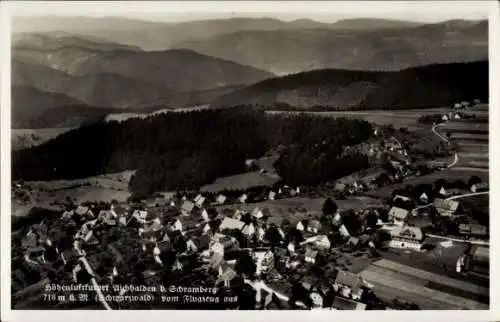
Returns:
(57, 40)
(331, 89)
(180, 70)
(29, 103)
(160, 35)
(371, 24)
(108, 90)
(350, 46)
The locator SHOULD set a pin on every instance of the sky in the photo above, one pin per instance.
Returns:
(326, 11)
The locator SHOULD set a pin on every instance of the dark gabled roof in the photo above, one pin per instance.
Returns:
(348, 279)
(341, 303)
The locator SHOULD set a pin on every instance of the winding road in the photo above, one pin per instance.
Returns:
(434, 130)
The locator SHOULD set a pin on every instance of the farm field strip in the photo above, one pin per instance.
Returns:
(465, 125)
(474, 155)
(470, 137)
(425, 276)
(474, 163)
(475, 171)
(449, 301)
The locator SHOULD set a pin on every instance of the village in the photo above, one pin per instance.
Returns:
(248, 248)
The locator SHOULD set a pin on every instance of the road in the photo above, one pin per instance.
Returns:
(455, 158)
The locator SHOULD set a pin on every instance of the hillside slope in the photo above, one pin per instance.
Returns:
(101, 89)
(28, 103)
(291, 51)
(57, 40)
(330, 89)
(181, 70)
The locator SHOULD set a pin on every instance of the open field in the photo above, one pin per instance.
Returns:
(426, 289)
(120, 117)
(25, 138)
(481, 202)
(241, 182)
(397, 118)
(47, 194)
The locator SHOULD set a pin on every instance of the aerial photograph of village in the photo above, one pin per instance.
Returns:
(250, 162)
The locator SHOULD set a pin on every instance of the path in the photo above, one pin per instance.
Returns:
(455, 158)
(473, 242)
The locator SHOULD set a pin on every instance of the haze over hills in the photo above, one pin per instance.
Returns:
(181, 70)
(331, 89)
(162, 35)
(61, 39)
(290, 51)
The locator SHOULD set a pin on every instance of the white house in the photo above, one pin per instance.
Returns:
(313, 226)
(291, 248)
(271, 195)
(191, 246)
(238, 214)
(300, 226)
(424, 198)
(257, 213)
(187, 207)
(206, 229)
(199, 200)
(320, 241)
(243, 198)
(407, 237)
(230, 223)
(343, 231)
(444, 118)
(204, 216)
(248, 230)
(310, 256)
(477, 187)
(221, 199)
(442, 191)
(398, 215)
(177, 226)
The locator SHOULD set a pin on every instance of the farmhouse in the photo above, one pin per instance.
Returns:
(187, 207)
(398, 215)
(424, 198)
(407, 237)
(473, 229)
(348, 284)
(341, 303)
(199, 200)
(446, 207)
(310, 255)
(479, 187)
(221, 199)
(230, 223)
(313, 226)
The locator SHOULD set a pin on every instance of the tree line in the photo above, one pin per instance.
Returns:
(175, 151)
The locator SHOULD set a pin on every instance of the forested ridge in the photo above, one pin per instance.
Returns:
(186, 150)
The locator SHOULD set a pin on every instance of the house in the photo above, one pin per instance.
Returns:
(444, 118)
(457, 105)
(248, 230)
(342, 303)
(407, 237)
(479, 187)
(261, 213)
(313, 226)
(204, 215)
(340, 187)
(343, 231)
(199, 200)
(310, 255)
(67, 214)
(322, 241)
(353, 241)
(238, 214)
(457, 116)
(177, 225)
(225, 274)
(140, 216)
(424, 198)
(84, 211)
(228, 243)
(243, 198)
(446, 207)
(221, 199)
(264, 261)
(291, 248)
(191, 246)
(337, 218)
(398, 215)
(473, 229)
(177, 266)
(271, 195)
(442, 191)
(300, 226)
(230, 223)
(187, 207)
(348, 284)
